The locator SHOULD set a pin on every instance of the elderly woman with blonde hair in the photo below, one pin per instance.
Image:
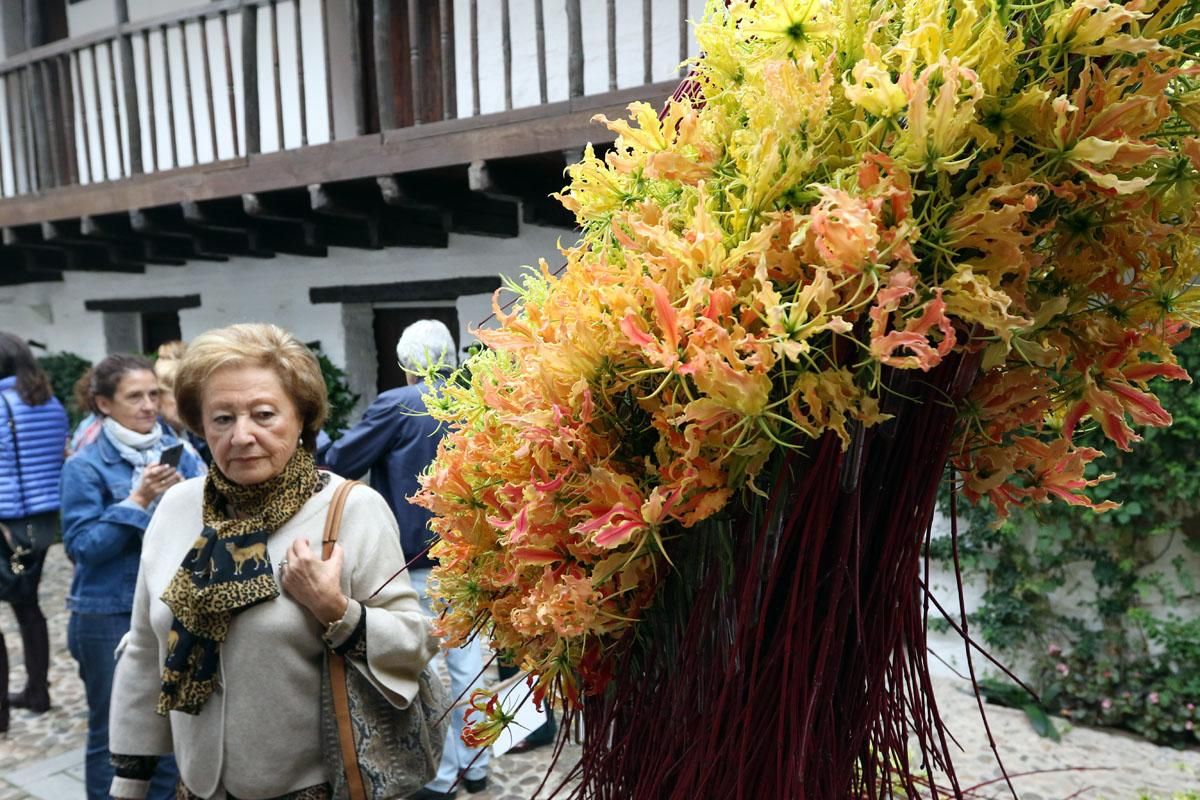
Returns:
(235, 608)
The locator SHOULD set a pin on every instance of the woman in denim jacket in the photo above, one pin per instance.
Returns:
(109, 492)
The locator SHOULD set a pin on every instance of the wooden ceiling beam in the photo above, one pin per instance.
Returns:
(118, 228)
(166, 225)
(95, 254)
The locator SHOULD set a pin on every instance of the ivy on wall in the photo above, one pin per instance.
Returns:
(1078, 590)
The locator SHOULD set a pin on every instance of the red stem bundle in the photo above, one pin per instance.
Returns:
(803, 674)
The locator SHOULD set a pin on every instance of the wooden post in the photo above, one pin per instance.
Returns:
(506, 52)
(612, 45)
(209, 101)
(300, 77)
(475, 58)
(574, 49)
(358, 61)
(87, 128)
(99, 113)
(539, 24)
(170, 88)
(150, 110)
(34, 103)
(416, 70)
(53, 141)
(275, 71)
(385, 83)
(116, 104)
(449, 76)
(229, 87)
(647, 40)
(67, 115)
(328, 67)
(129, 85)
(250, 79)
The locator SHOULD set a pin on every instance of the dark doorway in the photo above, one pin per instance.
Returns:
(159, 327)
(389, 323)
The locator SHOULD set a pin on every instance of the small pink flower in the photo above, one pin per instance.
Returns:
(1191, 707)
(1106, 703)
(1063, 669)
(1152, 698)
(1053, 650)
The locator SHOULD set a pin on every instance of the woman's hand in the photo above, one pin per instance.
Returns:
(156, 479)
(314, 583)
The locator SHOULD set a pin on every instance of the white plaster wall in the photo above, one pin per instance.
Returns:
(93, 15)
(269, 290)
(947, 654)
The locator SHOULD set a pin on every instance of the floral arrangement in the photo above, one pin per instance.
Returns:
(851, 190)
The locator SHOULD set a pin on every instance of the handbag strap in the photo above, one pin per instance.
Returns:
(337, 664)
(12, 427)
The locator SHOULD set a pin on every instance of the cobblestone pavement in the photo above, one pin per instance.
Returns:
(41, 757)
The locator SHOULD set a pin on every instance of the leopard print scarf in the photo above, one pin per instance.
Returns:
(227, 571)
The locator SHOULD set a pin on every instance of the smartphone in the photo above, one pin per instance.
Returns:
(171, 456)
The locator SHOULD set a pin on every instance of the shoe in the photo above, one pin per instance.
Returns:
(38, 703)
(475, 785)
(528, 744)
(426, 793)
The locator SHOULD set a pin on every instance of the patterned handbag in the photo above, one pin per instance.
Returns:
(371, 749)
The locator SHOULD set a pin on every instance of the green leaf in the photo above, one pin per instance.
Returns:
(1041, 722)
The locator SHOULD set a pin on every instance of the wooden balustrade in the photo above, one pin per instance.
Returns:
(231, 79)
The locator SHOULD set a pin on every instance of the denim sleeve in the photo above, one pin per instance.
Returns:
(95, 531)
(368, 441)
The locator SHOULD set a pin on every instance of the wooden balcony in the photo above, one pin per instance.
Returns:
(249, 127)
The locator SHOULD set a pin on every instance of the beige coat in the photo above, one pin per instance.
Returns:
(258, 735)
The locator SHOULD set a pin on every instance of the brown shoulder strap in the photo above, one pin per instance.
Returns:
(337, 665)
(333, 518)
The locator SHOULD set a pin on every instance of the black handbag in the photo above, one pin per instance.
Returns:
(18, 553)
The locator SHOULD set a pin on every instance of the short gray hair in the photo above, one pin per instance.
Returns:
(424, 344)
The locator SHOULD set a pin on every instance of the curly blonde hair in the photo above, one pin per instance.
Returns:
(253, 344)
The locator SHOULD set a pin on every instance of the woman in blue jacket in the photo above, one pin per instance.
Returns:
(33, 435)
(109, 492)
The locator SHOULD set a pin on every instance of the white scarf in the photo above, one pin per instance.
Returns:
(141, 450)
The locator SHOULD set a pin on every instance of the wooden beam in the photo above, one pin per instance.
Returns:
(427, 225)
(16, 267)
(415, 291)
(144, 304)
(165, 225)
(367, 216)
(473, 204)
(284, 222)
(95, 254)
(222, 234)
(118, 228)
(28, 239)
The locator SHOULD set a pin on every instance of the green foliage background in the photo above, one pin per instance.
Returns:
(341, 399)
(64, 369)
(1085, 667)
